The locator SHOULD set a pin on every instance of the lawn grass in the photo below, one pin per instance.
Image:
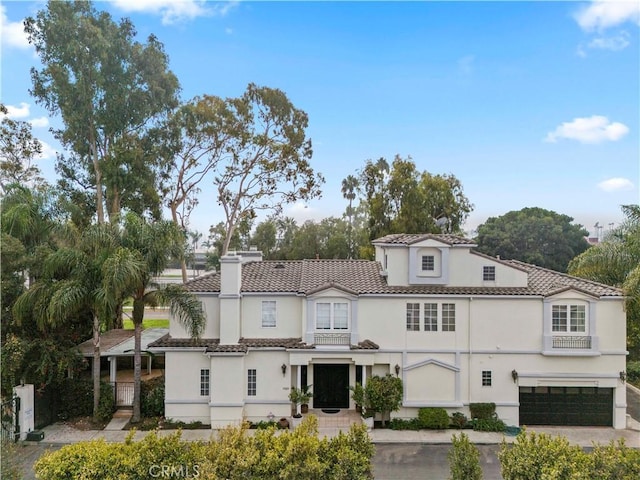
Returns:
(127, 323)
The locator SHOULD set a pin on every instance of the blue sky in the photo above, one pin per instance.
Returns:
(528, 104)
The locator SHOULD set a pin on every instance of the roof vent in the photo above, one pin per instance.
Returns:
(279, 265)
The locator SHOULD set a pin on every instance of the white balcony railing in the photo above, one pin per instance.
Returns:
(571, 341)
(332, 338)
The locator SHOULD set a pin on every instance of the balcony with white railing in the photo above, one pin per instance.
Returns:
(570, 345)
(332, 338)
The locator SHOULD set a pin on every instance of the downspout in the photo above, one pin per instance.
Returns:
(470, 354)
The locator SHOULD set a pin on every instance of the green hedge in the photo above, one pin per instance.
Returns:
(152, 397)
(488, 424)
(482, 410)
(540, 456)
(76, 399)
(433, 418)
(269, 454)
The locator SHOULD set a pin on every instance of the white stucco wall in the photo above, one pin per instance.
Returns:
(289, 319)
(182, 386)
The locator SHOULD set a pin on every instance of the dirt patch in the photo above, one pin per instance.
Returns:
(85, 423)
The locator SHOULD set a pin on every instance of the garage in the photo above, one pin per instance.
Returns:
(576, 406)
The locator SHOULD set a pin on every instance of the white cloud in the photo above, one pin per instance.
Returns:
(48, 151)
(615, 43)
(594, 129)
(465, 64)
(12, 32)
(616, 184)
(18, 112)
(39, 122)
(175, 11)
(228, 31)
(603, 14)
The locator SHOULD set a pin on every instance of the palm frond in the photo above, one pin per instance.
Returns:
(69, 298)
(184, 307)
(123, 272)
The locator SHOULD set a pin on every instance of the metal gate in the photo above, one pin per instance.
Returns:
(10, 425)
(123, 393)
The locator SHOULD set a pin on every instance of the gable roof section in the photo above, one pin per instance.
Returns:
(411, 238)
(362, 277)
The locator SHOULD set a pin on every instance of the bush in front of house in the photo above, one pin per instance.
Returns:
(459, 420)
(405, 424)
(433, 418)
(540, 456)
(289, 455)
(464, 459)
(493, 424)
(152, 397)
(76, 399)
(482, 410)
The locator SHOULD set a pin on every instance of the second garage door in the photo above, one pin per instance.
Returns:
(582, 406)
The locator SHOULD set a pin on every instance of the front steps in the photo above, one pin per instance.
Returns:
(340, 421)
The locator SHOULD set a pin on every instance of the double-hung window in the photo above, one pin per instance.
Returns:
(430, 317)
(268, 313)
(332, 316)
(448, 317)
(413, 317)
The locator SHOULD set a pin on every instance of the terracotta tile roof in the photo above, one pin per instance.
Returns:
(365, 345)
(548, 282)
(362, 277)
(410, 238)
(237, 348)
(271, 342)
(168, 342)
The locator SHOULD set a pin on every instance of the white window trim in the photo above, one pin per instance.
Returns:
(207, 386)
(488, 271)
(332, 316)
(432, 263)
(251, 384)
(567, 331)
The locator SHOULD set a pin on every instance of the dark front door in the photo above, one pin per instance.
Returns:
(330, 386)
(581, 406)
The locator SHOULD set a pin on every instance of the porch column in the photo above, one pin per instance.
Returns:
(148, 364)
(299, 376)
(364, 376)
(113, 369)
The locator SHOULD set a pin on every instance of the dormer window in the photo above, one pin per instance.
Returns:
(428, 263)
(488, 273)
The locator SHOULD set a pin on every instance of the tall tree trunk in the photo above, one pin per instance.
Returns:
(96, 365)
(138, 317)
(183, 261)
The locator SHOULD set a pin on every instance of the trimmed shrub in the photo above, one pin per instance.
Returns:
(488, 424)
(152, 397)
(459, 419)
(288, 455)
(540, 456)
(433, 418)
(402, 424)
(107, 405)
(482, 410)
(464, 459)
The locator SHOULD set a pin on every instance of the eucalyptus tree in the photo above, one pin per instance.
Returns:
(109, 89)
(616, 262)
(18, 151)
(267, 158)
(150, 245)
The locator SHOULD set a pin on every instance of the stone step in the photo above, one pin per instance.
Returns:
(341, 420)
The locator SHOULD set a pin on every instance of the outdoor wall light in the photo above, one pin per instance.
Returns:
(397, 369)
(284, 369)
(514, 375)
(623, 376)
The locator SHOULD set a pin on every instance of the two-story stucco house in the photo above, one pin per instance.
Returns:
(457, 326)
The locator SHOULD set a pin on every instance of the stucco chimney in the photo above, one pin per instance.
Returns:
(230, 283)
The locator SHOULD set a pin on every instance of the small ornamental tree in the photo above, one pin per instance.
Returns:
(384, 395)
(464, 459)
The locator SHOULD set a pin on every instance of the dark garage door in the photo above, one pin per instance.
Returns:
(584, 406)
